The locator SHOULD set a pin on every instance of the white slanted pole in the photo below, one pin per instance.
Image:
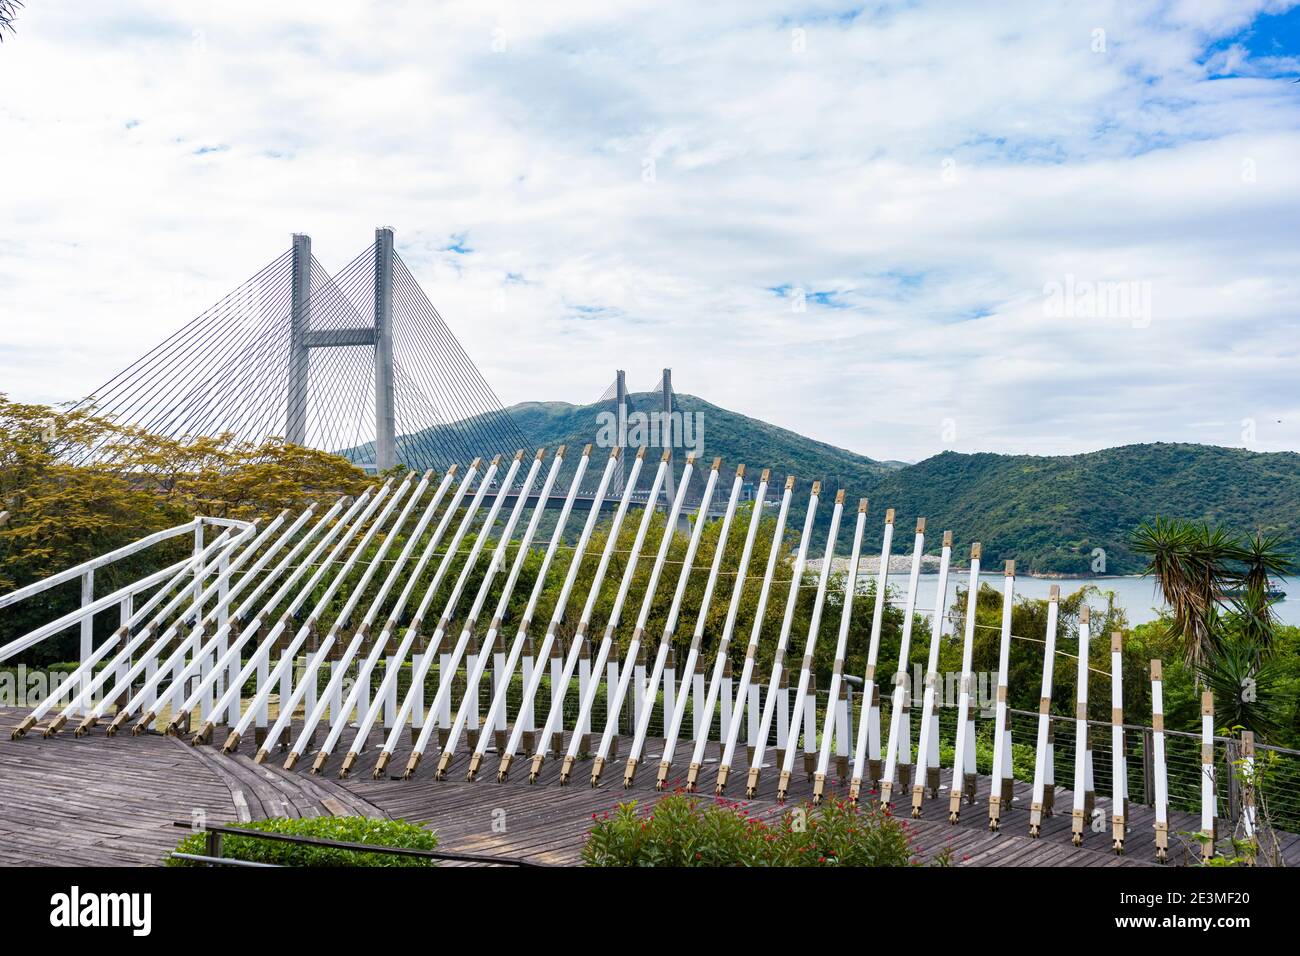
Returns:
(1000, 787)
(618, 694)
(211, 559)
(927, 731)
(1039, 806)
(603, 662)
(385, 695)
(732, 719)
(75, 678)
(834, 724)
(774, 688)
(963, 771)
(367, 710)
(899, 751)
(175, 661)
(802, 688)
(1159, 770)
(289, 703)
(692, 675)
(1082, 786)
(218, 648)
(198, 667)
(867, 743)
(341, 656)
(519, 648)
(703, 716)
(1119, 763)
(670, 628)
(534, 681)
(332, 695)
(227, 704)
(447, 669)
(1209, 830)
(170, 590)
(579, 648)
(268, 644)
(413, 703)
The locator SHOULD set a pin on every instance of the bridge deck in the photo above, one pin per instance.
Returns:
(112, 801)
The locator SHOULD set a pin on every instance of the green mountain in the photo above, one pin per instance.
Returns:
(735, 437)
(1048, 513)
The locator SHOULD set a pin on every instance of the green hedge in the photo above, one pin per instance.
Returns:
(397, 833)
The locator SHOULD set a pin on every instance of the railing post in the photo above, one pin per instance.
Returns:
(87, 626)
(214, 845)
(198, 549)
(1234, 785)
(125, 610)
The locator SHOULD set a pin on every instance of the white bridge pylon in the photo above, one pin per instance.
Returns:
(365, 615)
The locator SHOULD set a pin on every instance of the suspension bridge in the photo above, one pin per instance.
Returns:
(427, 650)
(360, 364)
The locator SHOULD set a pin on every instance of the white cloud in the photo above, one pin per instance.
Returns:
(931, 167)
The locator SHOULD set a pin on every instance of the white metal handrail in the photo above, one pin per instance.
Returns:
(85, 571)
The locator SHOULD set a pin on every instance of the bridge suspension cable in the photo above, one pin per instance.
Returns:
(360, 364)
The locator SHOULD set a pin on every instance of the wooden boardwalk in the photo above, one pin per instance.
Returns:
(112, 801)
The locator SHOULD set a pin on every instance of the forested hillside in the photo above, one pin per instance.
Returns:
(1049, 513)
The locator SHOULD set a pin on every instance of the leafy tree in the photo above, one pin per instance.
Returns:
(77, 485)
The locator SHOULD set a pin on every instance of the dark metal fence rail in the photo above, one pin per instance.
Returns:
(216, 832)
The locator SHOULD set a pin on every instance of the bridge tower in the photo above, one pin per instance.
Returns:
(295, 431)
(620, 411)
(380, 336)
(666, 435)
(385, 417)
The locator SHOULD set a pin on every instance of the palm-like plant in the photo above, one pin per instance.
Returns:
(1260, 559)
(1245, 687)
(1190, 565)
(8, 10)
(1263, 559)
(1200, 569)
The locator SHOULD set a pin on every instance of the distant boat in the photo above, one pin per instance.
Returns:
(1274, 594)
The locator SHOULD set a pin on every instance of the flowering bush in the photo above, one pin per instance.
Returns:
(682, 830)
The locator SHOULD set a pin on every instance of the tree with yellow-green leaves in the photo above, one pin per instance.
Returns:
(77, 485)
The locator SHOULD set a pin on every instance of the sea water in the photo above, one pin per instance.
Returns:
(1138, 596)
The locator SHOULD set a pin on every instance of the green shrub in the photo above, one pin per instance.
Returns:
(398, 833)
(682, 830)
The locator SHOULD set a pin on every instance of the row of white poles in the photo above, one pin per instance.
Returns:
(189, 651)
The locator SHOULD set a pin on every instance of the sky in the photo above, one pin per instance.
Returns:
(901, 228)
